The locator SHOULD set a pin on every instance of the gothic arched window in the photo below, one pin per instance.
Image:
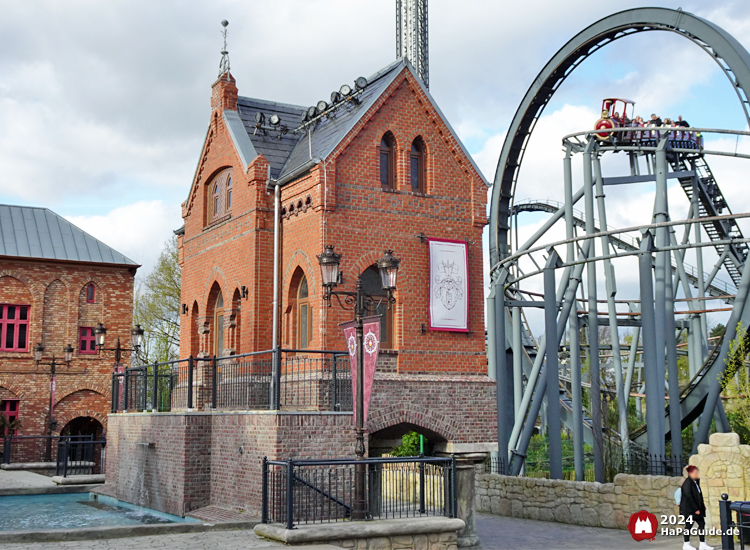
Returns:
(304, 315)
(372, 284)
(416, 165)
(387, 162)
(219, 199)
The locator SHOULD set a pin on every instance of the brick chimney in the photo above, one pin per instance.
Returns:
(224, 93)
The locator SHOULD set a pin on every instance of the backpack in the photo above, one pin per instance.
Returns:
(678, 495)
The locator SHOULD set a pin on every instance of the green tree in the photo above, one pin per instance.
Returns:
(717, 330)
(409, 445)
(157, 307)
(735, 384)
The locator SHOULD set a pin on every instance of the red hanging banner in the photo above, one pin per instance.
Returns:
(370, 348)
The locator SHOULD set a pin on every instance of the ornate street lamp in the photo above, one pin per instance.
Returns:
(360, 303)
(136, 339)
(52, 364)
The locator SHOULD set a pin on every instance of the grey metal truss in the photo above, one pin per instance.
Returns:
(412, 36)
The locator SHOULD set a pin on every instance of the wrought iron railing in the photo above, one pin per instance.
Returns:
(284, 379)
(640, 463)
(80, 457)
(322, 491)
(738, 527)
(635, 460)
(35, 448)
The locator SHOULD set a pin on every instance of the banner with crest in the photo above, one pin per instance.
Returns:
(449, 285)
(371, 349)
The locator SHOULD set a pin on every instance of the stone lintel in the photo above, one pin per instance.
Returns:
(464, 448)
(359, 529)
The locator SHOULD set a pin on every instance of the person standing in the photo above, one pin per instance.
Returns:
(693, 508)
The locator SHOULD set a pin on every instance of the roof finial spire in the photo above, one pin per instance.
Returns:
(224, 63)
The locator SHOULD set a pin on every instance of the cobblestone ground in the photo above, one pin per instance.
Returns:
(497, 533)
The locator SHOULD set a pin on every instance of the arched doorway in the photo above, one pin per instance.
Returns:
(384, 441)
(84, 425)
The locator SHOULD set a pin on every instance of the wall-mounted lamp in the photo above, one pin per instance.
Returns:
(243, 290)
(184, 309)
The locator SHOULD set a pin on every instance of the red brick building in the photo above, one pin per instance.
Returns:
(56, 284)
(374, 174)
(377, 168)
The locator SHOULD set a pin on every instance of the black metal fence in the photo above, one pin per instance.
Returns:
(80, 457)
(738, 527)
(643, 463)
(292, 379)
(495, 465)
(635, 461)
(322, 491)
(35, 448)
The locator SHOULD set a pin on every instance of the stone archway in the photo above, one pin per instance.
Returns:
(383, 441)
(724, 468)
(387, 425)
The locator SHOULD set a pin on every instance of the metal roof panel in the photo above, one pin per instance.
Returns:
(32, 232)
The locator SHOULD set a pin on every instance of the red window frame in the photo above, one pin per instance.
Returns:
(11, 409)
(86, 341)
(10, 412)
(90, 293)
(11, 328)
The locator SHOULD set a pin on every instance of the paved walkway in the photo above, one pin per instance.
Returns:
(497, 533)
(210, 540)
(20, 479)
(500, 533)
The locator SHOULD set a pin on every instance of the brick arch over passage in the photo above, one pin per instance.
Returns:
(407, 417)
(67, 416)
(82, 402)
(96, 388)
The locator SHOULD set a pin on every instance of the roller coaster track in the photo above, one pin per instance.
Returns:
(692, 397)
(717, 287)
(712, 203)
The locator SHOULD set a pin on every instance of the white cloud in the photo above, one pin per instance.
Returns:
(137, 230)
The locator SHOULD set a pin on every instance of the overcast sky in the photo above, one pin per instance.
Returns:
(104, 105)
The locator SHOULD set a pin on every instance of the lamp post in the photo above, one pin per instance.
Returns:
(360, 303)
(136, 338)
(52, 364)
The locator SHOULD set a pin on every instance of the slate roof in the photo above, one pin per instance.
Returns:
(275, 149)
(330, 130)
(290, 154)
(33, 232)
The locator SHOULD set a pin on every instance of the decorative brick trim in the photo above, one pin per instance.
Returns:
(20, 276)
(216, 276)
(429, 419)
(12, 388)
(430, 111)
(371, 258)
(301, 260)
(188, 204)
(90, 387)
(63, 420)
